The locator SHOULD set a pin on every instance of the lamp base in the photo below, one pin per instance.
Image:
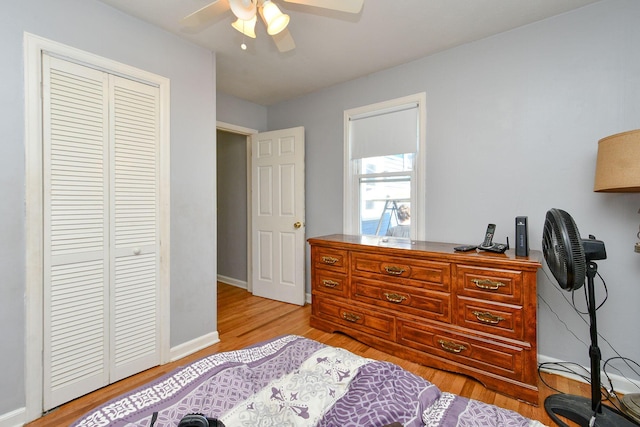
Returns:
(578, 409)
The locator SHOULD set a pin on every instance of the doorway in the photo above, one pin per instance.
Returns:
(233, 177)
(265, 253)
(232, 208)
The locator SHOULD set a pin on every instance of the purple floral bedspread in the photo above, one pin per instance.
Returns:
(295, 381)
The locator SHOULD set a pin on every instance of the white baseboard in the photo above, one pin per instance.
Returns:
(190, 347)
(233, 282)
(243, 285)
(15, 418)
(620, 384)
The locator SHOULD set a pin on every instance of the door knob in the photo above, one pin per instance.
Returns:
(297, 225)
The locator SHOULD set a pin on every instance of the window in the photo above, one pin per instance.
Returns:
(384, 168)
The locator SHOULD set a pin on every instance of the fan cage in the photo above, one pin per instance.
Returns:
(563, 251)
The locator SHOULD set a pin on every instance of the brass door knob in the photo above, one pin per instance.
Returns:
(297, 225)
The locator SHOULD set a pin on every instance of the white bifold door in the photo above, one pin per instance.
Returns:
(101, 229)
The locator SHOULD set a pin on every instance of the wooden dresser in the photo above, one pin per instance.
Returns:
(473, 313)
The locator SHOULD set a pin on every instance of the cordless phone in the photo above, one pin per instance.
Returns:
(488, 244)
(488, 237)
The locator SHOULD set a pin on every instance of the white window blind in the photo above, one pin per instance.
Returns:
(383, 133)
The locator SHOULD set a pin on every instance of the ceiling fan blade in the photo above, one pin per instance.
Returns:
(284, 41)
(206, 14)
(350, 6)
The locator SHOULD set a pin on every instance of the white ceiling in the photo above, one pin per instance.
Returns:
(333, 47)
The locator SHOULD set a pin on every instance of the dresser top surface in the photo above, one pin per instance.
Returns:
(400, 246)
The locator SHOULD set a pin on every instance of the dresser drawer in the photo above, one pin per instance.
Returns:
(426, 274)
(490, 284)
(494, 318)
(329, 258)
(352, 317)
(402, 299)
(475, 352)
(328, 282)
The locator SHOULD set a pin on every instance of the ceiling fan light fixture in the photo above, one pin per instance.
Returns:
(274, 18)
(243, 9)
(246, 27)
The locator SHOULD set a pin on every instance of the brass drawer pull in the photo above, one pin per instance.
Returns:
(395, 298)
(451, 347)
(486, 317)
(329, 260)
(350, 317)
(396, 271)
(488, 284)
(330, 283)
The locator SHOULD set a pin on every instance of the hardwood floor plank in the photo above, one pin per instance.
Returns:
(244, 319)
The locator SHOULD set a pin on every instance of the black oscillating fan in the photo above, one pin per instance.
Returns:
(570, 260)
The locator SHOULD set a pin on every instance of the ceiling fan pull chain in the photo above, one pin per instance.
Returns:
(243, 46)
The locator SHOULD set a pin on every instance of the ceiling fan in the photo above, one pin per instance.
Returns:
(246, 12)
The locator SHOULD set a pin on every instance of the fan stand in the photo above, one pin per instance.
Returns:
(577, 408)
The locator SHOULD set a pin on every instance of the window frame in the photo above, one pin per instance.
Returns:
(352, 175)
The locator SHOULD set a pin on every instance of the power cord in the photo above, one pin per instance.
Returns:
(607, 394)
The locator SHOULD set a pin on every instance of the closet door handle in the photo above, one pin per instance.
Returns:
(137, 251)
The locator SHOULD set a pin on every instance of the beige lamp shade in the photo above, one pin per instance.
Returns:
(618, 164)
(276, 20)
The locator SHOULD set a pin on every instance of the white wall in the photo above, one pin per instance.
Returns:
(94, 27)
(513, 123)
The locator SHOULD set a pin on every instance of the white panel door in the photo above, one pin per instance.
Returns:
(278, 239)
(76, 237)
(135, 243)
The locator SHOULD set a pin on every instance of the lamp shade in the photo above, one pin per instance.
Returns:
(248, 27)
(243, 9)
(618, 164)
(276, 20)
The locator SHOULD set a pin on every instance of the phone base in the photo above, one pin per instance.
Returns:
(499, 248)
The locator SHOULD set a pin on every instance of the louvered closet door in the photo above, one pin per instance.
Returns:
(101, 225)
(134, 231)
(76, 238)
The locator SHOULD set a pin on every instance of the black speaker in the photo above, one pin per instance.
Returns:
(522, 236)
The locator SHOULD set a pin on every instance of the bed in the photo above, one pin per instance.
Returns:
(296, 381)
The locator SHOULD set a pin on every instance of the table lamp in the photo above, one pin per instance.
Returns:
(618, 171)
(618, 165)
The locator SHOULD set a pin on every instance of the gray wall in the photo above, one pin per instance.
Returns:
(99, 29)
(232, 205)
(240, 112)
(513, 123)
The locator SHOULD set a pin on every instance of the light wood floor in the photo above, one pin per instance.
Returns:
(244, 319)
